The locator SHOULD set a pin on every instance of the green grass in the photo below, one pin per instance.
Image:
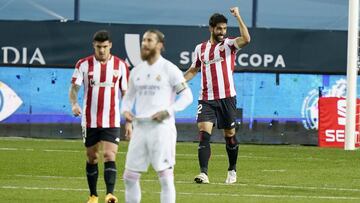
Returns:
(38, 170)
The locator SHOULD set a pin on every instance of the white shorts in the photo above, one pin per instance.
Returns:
(151, 143)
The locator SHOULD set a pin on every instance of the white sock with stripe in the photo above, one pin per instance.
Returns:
(132, 186)
(168, 194)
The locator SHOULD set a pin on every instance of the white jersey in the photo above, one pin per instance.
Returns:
(102, 83)
(151, 88)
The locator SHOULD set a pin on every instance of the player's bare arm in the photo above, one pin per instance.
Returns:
(128, 123)
(129, 117)
(73, 96)
(123, 92)
(190, 73)
(128, 130)
(244, 39)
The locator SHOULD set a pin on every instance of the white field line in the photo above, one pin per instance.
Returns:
(274, 170)
(39, 140)
(192, 194)
(212, 183)
(178, 154)
(80, 151)
(182, 143)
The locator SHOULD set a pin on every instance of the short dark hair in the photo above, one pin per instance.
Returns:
(217, 18)
(160, 36)
(102, 36)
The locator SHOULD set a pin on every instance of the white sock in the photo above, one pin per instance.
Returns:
(166, 178)
(132, 186)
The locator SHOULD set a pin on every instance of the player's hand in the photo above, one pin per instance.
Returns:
(235, 11)
(128, 130)
(160, 116)
(128, 116)
(76, 110)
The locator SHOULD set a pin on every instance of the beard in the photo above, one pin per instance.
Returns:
(218, 38)
(147, 54)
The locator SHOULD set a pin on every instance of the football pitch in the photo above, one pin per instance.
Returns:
(40, 170)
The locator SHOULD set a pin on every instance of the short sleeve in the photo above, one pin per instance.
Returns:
(176, 76)
(197, 61)
(124, 76)
(78, 75)
(231, 43)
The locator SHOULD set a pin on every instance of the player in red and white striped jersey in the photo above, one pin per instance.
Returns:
(215, 59)
(103, 76)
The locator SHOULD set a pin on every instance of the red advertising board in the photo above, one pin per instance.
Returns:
(332, 118)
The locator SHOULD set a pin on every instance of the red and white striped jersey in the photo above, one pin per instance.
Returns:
(217, 65)
(102, 83)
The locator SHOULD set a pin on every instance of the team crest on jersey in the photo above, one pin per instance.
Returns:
(116, 73)
(158, 78)
(92, 82)
(221, 48)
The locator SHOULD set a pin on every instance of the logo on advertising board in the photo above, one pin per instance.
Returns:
(15, 55)
(309, 110)
(132, 47)
(244, 60)
(332, 121)
(9, 101)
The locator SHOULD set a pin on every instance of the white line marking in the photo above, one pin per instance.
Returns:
(301, 197)
(8, 149)
(308, 187)
(212, 183)
(62, 150)
(189, 193)
(273, 170)
(178, 154)
(39, 140)
(46, 177)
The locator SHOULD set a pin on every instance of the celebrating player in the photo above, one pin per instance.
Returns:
(153, 86)
(217, 101)
(103, 76)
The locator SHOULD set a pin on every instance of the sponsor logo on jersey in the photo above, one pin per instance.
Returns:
(215, 60)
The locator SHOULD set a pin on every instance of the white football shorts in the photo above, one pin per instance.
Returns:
(151, 143)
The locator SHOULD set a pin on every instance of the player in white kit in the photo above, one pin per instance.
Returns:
(152, 89)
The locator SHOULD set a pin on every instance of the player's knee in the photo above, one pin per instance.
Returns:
(204, 138)
(230, 132)
(231, 142)
(131, 176)
(166, 178)
(166, 173)
(92, 157)
(109, 155)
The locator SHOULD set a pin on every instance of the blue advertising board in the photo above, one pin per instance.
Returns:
(261, 96)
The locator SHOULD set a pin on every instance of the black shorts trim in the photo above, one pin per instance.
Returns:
(91, 136)
(219, 111)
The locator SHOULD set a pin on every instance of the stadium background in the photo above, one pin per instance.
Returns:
(277, 103)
